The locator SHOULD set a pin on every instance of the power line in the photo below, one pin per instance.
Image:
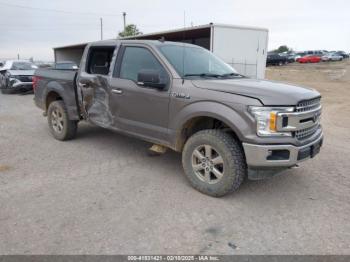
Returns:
(55, 10)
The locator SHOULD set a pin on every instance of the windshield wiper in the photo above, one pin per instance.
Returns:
(203, 75)
(231, 74)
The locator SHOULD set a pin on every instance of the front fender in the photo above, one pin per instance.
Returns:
(235, 118)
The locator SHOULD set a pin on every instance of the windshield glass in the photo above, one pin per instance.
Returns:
(23, 66)
(195, 61)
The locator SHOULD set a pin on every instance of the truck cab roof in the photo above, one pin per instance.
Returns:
(115, 42)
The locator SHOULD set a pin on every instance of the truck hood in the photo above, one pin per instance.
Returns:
(268, 92)
(21, 72)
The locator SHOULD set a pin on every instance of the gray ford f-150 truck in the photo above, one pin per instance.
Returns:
(182, 97)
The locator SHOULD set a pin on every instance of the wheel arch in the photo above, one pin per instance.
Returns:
(55, 91)
(51, 96)
(207, 115)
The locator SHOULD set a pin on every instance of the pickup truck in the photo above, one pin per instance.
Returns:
(181, 97)
(276, 59)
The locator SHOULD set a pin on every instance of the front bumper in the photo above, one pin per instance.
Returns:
(19, 86)
(275, 156)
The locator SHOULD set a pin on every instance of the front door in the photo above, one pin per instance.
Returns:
(138, 109)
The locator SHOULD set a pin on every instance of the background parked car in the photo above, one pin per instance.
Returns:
(299, 55)
(318, 53)
(16, 76)
(290, 56)
(343, 54)
(309, 59)
(332, 57)
(276, 59)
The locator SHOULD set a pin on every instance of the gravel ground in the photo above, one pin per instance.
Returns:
(103, 194)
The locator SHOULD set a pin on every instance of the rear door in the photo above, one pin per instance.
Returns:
(93, 85)
(139, 109)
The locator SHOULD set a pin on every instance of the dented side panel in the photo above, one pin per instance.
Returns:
(94, 93)
(96, 103)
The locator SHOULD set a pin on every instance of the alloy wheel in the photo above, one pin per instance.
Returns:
(207, 164)
(57, 120)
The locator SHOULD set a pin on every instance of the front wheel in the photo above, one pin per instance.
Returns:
(60, 126)
(214, 162)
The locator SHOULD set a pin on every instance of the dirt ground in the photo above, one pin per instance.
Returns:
(103, 194)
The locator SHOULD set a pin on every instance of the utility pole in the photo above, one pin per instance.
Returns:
(184, 19)
(101, 22)
(17, 56)
(124, 15)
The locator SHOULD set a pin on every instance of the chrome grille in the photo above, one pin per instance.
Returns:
(305, 107)
(306, 133)
(308, 105)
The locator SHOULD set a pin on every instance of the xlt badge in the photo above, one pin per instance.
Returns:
(180, 95)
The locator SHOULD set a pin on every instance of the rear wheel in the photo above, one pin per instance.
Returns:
(214, 162)
(60, 126)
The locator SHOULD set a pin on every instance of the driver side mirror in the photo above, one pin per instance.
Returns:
(151, 78)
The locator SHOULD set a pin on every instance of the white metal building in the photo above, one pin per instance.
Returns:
(245, 48)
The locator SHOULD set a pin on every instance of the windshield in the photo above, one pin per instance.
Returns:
(23, 66)
(195, 61)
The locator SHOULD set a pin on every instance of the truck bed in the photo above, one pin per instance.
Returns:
(57, 81)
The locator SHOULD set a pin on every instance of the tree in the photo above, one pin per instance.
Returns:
(130, 30)
(282, 48)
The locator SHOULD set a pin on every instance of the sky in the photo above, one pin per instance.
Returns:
(31, 28)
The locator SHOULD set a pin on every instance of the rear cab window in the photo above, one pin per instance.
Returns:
(99, 60)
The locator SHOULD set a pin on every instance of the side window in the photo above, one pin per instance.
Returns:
(136, 59)
(99, 60)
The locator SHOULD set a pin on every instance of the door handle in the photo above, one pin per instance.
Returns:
(117, 91)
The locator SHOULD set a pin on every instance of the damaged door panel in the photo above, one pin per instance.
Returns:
(95, 94)
(93, 86)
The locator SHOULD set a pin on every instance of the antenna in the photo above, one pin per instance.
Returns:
(101, 24)
(124, 20)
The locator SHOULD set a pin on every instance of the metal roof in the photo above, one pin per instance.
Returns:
(174, 32)
(194, 28)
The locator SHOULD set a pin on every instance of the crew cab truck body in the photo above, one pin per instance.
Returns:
(182, 97)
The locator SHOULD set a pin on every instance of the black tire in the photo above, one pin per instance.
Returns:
(234, 168)
(60, 126)
(6, 91)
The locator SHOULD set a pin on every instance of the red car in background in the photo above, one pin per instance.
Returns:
(309, 59)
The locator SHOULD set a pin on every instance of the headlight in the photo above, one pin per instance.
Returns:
(266, 120)
(13, 77)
